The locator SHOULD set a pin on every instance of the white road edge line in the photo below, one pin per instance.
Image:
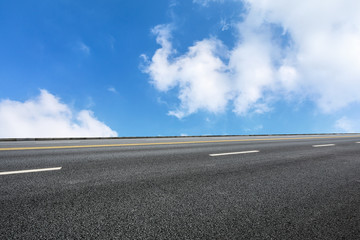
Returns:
(31, 170)
(324, 145)
(232, 153)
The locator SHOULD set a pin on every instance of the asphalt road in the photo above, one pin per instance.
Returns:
(274, 187)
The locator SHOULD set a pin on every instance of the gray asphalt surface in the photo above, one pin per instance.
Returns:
(287, 190)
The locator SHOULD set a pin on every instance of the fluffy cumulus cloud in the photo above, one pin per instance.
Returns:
(198, 73)
(285, 50)
(46, 116)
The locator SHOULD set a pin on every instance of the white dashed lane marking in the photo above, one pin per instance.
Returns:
(324, 145)
(232, 153)
(30, 171)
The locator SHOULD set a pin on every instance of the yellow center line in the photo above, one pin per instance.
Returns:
(168, 143)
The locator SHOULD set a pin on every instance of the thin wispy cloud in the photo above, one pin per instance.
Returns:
(254, 129)
(47, 116)
(112, 42)
(206, 2)
(84, 48)
(315, 56)
(112, 89)
(224, 25)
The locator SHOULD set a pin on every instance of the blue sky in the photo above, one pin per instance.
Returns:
(149, 68)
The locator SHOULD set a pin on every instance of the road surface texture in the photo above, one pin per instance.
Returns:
(262, 187)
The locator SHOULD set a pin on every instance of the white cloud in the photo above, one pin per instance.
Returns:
(325, 53)
(46, 116)
(206, 2)
(320, 60)
(224, 25)
(254, 129)
(347, 125)
(206, 81)
(199, 74)
(84, 48)
(112, 89)
(112, 42)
